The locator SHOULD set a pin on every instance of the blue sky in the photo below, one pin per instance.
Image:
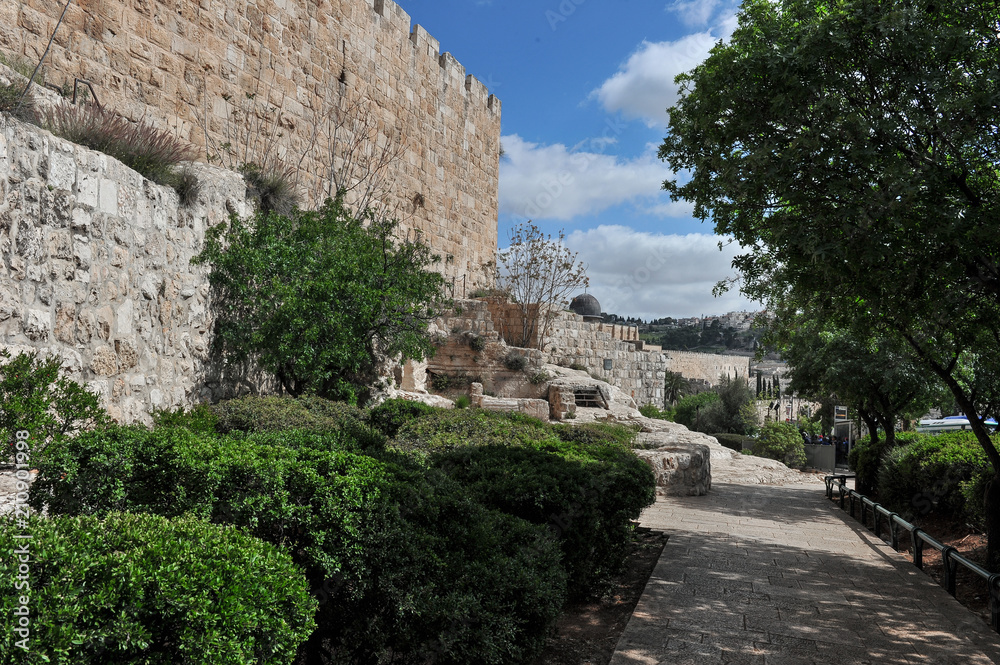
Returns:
(585, 85)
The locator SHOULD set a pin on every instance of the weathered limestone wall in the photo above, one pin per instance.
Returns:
(639, 374)
(95, 267)
(189, 64)
(707, 366)
(469, 350)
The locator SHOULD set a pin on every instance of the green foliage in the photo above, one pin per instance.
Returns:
(689, 408)
(730, 412)
(928, 474)
(143, 589)
(866, 460)
(201, 419)
(454, 429)
(587, 496)
(35, 398)
(782, 442)
(462, 402)
(651, 411)
(598, 434)
(140, 146)
(317, 298)
(405, 566)
(477, 343)
(392, 414)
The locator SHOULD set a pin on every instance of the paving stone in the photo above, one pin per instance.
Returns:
(779, 575)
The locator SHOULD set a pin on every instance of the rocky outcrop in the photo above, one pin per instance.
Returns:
(680, 469)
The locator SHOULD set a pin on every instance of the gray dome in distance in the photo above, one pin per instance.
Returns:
(586, 305)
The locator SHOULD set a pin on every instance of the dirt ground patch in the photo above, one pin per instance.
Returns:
(587, 632)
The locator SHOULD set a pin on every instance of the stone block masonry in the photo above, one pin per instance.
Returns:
(190, 64)
(95, 267)
(708, 367)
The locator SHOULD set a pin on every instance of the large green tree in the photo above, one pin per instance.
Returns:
(852, 149)
(319, 298)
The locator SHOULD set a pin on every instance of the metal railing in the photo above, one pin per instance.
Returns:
(919, 538)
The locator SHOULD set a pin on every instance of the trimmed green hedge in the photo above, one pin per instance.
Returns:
(735, 441)
(866, 460)
(929, 473)
(582, 482)
(142, 589)
(392, 414)
(408, 569)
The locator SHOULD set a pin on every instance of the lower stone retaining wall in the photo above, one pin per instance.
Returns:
(95, 267)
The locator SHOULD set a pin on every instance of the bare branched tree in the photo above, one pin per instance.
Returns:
(354, 153)
(537, 274)
(347, 147)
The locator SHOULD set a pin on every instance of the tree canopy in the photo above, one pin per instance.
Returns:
(852, 150)
(319, 298)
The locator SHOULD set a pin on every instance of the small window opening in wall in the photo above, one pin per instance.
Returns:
(342, 79)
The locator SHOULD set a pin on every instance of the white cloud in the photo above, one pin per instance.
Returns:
(648, 275)
(555, 182)
(694, 12)
(644, 86)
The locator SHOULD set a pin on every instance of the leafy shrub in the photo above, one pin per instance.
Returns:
(477, 342)
(35, 398)
(462, 402)
(586, 494)
(578, 367)
(651, 411)
(144, 589)
(688, 408)
(138, 145)
(782, 442)
(927, 474)
(200, 419)
(735, 441)
(974, 496)
(344, 422)
(406, 567)
(866, 460)
(595, 434)
(319, 297)
(515, 362)
(454, 428)
(392, 414)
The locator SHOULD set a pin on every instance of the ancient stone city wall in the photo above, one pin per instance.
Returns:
(190, 64)
(95, 267)
(708, 367)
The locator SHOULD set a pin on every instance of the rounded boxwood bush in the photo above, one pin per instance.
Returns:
(587, 501)
(407, 568)
(866, 459)
(392, 414)
(782, 442)
(928, 473)
(143, 589)
(252, 414)
(450, 428)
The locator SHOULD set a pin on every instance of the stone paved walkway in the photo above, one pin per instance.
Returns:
(779, 574)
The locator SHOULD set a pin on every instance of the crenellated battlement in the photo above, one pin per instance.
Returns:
(190, 64)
